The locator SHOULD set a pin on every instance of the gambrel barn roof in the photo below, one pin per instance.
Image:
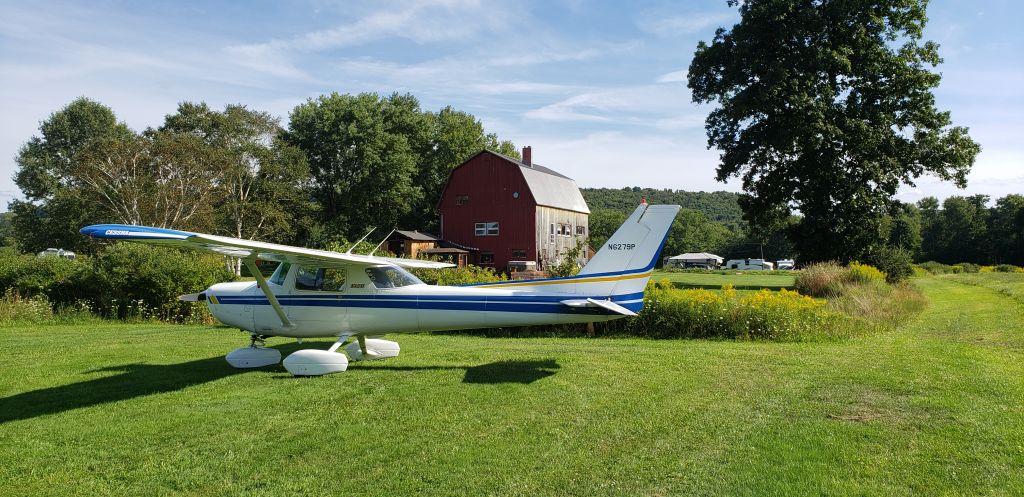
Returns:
(549, 188)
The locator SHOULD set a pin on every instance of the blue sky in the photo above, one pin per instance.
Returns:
(597, 88)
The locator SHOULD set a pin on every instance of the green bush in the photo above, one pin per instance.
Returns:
(132, 281)
(967, 267)
(1007, 268)
(895, 262)
(936, 267)
(31, 276)
(458, 275)
(125, 281)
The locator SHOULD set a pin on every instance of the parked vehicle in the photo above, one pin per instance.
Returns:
(55, 252)
(749, 264)
(787, 264)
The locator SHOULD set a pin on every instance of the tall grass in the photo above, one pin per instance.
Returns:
(15, 309)
(861, 292)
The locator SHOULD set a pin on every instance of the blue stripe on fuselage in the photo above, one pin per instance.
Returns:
(526, 303)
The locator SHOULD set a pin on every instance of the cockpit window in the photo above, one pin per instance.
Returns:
(280, 273)
(322, 279)
(391, 277)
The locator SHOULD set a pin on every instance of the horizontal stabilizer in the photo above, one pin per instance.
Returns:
(604, 304)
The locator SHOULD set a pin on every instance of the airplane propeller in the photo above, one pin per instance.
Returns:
(192, 297)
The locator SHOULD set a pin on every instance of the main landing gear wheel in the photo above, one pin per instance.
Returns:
(256, 355)
(372, 349)
(314, 362)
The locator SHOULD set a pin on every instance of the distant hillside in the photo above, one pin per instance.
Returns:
(721, 207)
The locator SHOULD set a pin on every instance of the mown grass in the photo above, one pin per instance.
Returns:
(741, 280)
(936, 407)
(1009, 284)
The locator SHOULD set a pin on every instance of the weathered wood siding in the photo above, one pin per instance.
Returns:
(551, 248)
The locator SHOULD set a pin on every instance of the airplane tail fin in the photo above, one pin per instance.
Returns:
(629, 256)
(616, 276)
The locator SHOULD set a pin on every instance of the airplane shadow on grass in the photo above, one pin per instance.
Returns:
(139, 380)
(524, 372)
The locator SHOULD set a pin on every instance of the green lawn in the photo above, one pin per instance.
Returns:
(740, 279)
(1009, 284)
(935, 408)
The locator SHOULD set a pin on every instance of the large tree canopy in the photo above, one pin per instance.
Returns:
(263, 183)
(382, 161)
(825, 108)
(52, 212)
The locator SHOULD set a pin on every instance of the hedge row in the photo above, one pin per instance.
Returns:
(122, 281)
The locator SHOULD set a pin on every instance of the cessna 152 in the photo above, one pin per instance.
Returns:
(317, 293)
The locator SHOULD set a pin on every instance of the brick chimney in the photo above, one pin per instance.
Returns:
(528, 156)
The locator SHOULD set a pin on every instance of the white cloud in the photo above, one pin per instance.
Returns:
(662, 106)
(533, 53)
(616, 159)
(655, 22)
(673, 77)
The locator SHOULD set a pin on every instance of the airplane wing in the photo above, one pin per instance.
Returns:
(246, 249)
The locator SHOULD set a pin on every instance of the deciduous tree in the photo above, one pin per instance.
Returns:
(263, 186)
(52, 212)
(825, 108)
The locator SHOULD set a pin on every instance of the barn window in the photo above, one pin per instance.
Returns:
(461, 199)
(486, 257)
(518, 254)
(486, 229)
(581, 230)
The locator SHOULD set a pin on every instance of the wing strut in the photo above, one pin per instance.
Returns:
(255, 271)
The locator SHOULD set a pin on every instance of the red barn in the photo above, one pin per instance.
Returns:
(505, 210)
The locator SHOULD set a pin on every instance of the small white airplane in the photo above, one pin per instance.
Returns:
(317, 293)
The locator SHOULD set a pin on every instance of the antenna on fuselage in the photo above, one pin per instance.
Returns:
(349, 251)
(382, 241)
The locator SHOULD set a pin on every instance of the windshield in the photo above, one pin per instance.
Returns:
(391, 277)
(280, 273)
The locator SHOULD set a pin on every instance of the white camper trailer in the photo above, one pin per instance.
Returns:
(749, 264)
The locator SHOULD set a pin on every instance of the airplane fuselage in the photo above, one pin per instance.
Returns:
(416, 307)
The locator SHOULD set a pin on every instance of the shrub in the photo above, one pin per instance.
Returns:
(936, 267)
(895, 262)
(967, 267)
(126, 281)
(1007, 268)
(31, 276)
(131, 281)
(458, 275)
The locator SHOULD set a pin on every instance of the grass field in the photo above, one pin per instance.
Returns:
(740, 279)
(1009, 284)
(934, 408)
